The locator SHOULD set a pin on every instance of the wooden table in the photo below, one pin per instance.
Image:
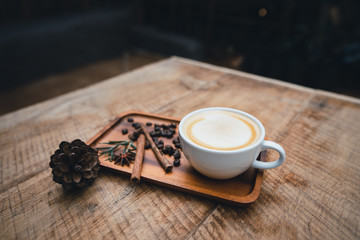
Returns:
(314, 195)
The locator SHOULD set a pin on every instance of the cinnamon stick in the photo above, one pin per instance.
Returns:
(139, 157)
(164, 162)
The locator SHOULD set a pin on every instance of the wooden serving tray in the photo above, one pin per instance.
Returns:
(241, 190)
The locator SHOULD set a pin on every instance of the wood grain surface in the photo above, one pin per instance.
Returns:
(313, 195)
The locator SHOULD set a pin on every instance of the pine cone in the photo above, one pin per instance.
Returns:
(74, 165)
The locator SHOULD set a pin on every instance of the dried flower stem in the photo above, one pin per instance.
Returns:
(110, 151)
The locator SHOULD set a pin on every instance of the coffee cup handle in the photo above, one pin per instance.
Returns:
(268, 165)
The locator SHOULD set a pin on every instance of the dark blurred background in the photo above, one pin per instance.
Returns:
(51, 47)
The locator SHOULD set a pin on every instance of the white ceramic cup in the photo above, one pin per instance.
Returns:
(225, 164)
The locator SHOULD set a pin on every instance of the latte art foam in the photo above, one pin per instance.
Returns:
(221, 130)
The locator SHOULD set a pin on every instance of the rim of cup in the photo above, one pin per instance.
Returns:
(253, 145)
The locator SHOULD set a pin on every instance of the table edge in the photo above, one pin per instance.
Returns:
(267, 79)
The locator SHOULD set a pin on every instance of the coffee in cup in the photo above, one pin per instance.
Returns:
(221, 130)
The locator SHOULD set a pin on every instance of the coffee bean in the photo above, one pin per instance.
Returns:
(153, 134)
(157, 128)
(177, 154)
(176, 140)
(160, 146)
(124, 131)
(163, 126)
(165, 150)
(133, 137)
(147, 144)
(136, 125)
(176, 162)
(156, 125)
(148, 124)
(158, 134)
(177, 145)
(137, 133)
(171, 151)
(169, 134)
(173, 125)
(130, 119)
